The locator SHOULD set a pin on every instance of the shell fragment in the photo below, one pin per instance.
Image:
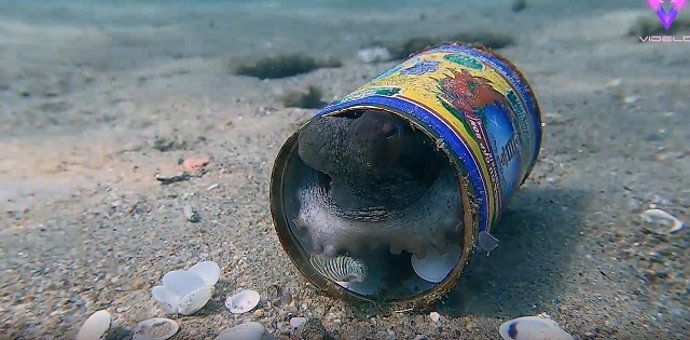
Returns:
(95, 326)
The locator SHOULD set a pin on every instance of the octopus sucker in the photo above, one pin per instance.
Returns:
(395, 248)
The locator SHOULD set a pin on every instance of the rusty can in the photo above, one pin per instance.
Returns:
(479, 110)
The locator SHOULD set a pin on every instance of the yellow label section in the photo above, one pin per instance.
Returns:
(455, 87)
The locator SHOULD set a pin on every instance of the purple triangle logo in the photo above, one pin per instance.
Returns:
(666, 18)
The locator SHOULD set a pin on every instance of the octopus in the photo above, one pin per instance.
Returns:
(385, 185)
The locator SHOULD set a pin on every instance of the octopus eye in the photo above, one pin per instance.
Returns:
(389, 130)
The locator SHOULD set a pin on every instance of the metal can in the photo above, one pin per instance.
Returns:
(479, 110)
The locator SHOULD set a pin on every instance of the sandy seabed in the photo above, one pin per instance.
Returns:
(97, 99)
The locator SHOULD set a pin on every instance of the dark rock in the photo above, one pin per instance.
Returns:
(285, 66)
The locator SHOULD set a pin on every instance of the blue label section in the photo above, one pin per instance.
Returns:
(506, 148)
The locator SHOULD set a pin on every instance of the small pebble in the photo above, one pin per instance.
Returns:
(297, 322)
(190, 214)
(435, 316)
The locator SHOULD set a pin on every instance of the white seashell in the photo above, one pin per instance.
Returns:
(95, 326)
(182, 282)
(208, 271)
(187, 291)
(340, 269)
(169, 300)
(487, 242)
(243, 302)
(532, 328)
(155, 329)
(245, 331)
(658, 216)
(194, 301)
(434, 267)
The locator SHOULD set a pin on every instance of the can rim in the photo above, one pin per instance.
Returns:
(469, 195)
(299, 257)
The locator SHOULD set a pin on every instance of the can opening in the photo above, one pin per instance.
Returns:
(403, 254)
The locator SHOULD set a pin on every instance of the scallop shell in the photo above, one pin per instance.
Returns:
(340, 269)
(532, 328)
(434, 267)
(188, 304)
(169, 300)
(95, 326)
(194, 301)
(155, 329)
(242, 302)
(245, 331)
(208, 271)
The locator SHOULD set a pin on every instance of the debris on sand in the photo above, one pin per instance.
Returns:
(173, 179)
(284, 66)
(309, 99)
(194, 164)
(165, 144)
(191, 167)
(312, 329)
(279, 296)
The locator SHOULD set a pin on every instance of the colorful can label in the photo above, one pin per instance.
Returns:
(477, 103)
